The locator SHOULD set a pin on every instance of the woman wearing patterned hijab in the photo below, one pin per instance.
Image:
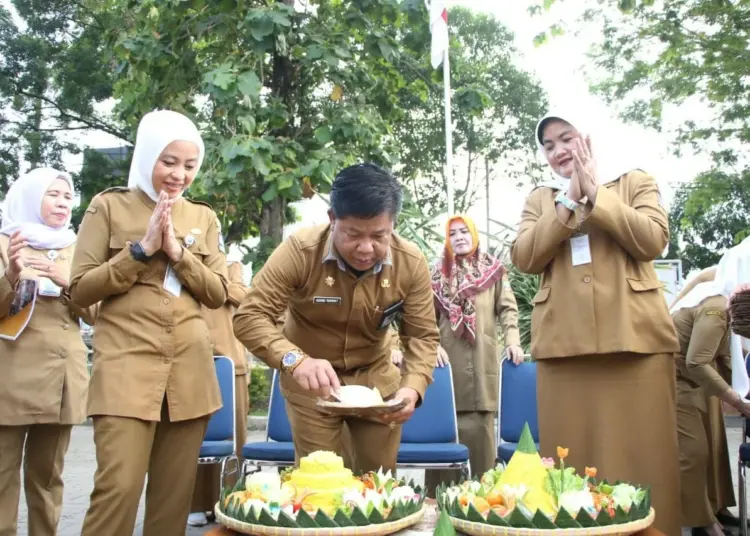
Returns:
(472, 295)
(45, 377)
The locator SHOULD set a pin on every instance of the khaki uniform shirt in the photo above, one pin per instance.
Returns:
(334, 315)
(704, 355)
(149, 343)
(219, 321)
(476, 368)
(613, 304)
(44, 372)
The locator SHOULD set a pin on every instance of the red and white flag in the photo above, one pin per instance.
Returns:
(439, 30)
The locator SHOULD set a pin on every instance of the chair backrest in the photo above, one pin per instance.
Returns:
(277, 424)
(435, 420)
(517, 401)
(221, 425)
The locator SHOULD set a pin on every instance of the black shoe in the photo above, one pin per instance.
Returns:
(700, 531)
(728, 519)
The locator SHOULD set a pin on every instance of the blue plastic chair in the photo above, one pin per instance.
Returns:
(278, 449)
(220, 442)
(517, 406)
(744, 462)
(429, 440)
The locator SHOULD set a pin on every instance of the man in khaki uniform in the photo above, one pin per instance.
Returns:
(343, 285)
(219, 322)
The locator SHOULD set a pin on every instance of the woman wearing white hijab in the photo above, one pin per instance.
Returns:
(152, 258)
(44, 371)
(708, 352)
(600, 329)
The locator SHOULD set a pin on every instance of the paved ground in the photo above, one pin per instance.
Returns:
(80, 464)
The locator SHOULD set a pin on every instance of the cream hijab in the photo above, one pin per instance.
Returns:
(606, 171)
(157, 130)
(733, 269)
(23, 210)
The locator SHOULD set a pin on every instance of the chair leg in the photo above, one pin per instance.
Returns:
(742, 497)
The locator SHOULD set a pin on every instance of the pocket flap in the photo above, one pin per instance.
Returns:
(542, 295)
(643, 285)
(121, 241)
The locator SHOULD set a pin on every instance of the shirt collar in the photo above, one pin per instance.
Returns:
(333, 256)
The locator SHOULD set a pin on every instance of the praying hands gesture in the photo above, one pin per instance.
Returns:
(160, 232)
(584, 174)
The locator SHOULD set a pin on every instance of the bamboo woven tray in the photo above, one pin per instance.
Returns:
(381, 529)
(739, 310)
(485, 529)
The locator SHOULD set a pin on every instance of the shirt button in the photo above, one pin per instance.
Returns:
(169, 330)
(166, 300)
(587, 279)
(166, 360)
(63, 355)
(66, 327)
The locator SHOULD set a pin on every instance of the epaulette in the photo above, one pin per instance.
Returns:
(195, 201)
(118, 189)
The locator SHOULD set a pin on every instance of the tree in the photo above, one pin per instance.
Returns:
(673, 52)
(495, 107)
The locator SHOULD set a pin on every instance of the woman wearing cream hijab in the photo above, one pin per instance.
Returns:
(44, 372)
(152, 258)
(703, 364)
(600, 329)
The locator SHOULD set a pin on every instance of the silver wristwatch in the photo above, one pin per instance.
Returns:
(565, 201)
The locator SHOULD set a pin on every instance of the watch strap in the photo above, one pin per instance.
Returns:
(565, 201)
(136, 250)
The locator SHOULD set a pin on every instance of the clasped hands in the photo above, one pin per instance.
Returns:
(56, 273)
(160, 232)
(584, 181)
(319, 377)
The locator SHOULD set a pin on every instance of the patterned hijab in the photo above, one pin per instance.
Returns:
(458, 279)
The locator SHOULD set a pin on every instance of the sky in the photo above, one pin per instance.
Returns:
(557, 65)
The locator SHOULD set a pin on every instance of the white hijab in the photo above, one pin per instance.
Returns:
(733, 269)
(23, 210)
(157, 130)
(607, 171)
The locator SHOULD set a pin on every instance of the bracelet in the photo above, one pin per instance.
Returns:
(565, 201)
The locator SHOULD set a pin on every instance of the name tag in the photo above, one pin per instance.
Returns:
(327, 300)
(48, 288)
(580, 250)
(172, 282)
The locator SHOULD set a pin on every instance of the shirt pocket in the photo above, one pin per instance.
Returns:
(195, 244)
(645, 285)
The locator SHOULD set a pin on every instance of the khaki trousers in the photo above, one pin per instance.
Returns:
(208, 477)
(720, 485)
(371, 444)
(126, 450)
(693, 429)
(476, 430)
(41, 448)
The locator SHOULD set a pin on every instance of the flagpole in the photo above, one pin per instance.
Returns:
(448, 132)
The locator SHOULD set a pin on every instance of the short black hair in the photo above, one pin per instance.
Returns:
(365, 191)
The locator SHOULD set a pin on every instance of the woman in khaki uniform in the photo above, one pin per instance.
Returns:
(45, 376)
(219, 322)
(472, 295)
(720, 485)
(703, 368)
(152, 258)
(600, 330)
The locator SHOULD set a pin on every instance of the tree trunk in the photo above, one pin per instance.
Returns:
(282, 87)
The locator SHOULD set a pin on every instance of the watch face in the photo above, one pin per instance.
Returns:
(289, 359)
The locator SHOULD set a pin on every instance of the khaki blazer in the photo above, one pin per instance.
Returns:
(334, 315)
(476, 368)
(149, 343)
(704, 358)
(45, 374)
(219, 321)
(614, 303)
